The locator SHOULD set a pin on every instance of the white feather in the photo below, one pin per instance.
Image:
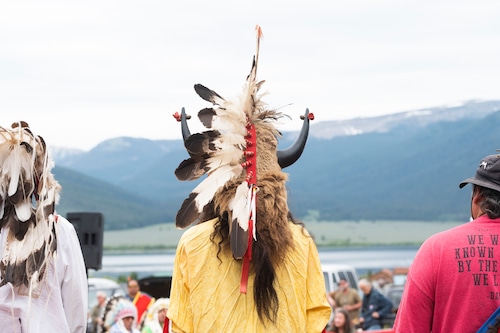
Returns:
(239, 205)
(23, 210)
(230, 118)
(2, 208)
(35, 237)
(13, 166)
(219, 160)
(207, 188)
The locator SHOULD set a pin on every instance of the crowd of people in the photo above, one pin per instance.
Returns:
(134, 312)
(354, 311)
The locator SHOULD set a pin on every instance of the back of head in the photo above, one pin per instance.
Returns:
(487, 182)
(365, 286)
(28, 194)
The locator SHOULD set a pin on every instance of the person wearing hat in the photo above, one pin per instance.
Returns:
(43, 280)
(156, 320)
(453, 284)
(123, 316)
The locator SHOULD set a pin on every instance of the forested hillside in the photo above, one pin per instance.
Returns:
(405, 173)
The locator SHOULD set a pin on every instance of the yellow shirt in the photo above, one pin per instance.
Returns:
(205, 294)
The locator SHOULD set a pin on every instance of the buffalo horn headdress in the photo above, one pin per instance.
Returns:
(239, 154)
(28, 194)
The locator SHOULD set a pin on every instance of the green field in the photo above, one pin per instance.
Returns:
(343, 233)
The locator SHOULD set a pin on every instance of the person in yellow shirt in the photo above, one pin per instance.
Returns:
(248, 265)
(205, 294)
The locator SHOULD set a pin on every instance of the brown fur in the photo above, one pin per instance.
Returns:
(272, 212)
(274, 237)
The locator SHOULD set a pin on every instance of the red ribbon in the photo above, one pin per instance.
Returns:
(246, 260)
(251, 166)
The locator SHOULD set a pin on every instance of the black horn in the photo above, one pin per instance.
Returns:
(287, 157)
(184, 126)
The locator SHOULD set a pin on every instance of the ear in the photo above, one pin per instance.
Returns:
(476, 200)
(476, 196)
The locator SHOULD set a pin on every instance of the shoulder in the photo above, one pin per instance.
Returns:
(66, 233)
(199, 231)
(442, 240)
(353, 292)
(196, 239)
(64, 226)
(297, 228)
(300, 234)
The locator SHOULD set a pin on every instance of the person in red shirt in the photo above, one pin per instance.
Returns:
(142, 301)
(452, 284)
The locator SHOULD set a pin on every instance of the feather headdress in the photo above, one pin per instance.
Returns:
(239, 154)
(117, 308)
(28, 195)
(151, 318)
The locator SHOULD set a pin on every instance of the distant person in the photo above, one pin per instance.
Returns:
(43, 280)
(120, 316)
(452, 284)
(142, 301)
(97, 312)
(247, 265)
(156, 320)
(342, 322)
(375, 307)
(348, 299)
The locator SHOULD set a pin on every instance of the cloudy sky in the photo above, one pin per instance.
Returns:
(81, 72)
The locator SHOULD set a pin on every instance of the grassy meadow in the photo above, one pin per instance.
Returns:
(326, 234)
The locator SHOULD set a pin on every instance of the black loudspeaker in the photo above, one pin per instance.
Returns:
(90, 230)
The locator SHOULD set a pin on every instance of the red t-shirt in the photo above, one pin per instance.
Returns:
(453, 284)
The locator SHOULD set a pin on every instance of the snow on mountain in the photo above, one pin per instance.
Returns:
(414, 118)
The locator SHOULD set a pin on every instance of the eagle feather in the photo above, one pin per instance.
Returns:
(221, 153)
(28, 194)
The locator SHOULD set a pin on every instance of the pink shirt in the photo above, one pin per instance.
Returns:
(453, 284)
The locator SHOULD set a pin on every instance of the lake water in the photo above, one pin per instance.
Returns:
(363, 259)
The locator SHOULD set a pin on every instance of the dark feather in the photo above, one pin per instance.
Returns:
(49, 209)
(188, 213)
(190, 169)
(24, 190)
(19, 229)
(206, 116)
(207, 94)
(8, 214)
(33, 261)
(201, 143)
(14, 274)
(53, 236)
(238, 240)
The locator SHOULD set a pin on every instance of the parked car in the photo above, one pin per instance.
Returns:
(110, 287)
(333, 273)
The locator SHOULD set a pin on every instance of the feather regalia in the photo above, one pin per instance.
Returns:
(239, 155)
(28, 195)
(225, 152)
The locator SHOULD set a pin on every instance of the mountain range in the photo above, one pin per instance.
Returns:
(404, 166)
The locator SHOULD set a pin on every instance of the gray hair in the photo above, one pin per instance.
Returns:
(364, 282)
(101, 293)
